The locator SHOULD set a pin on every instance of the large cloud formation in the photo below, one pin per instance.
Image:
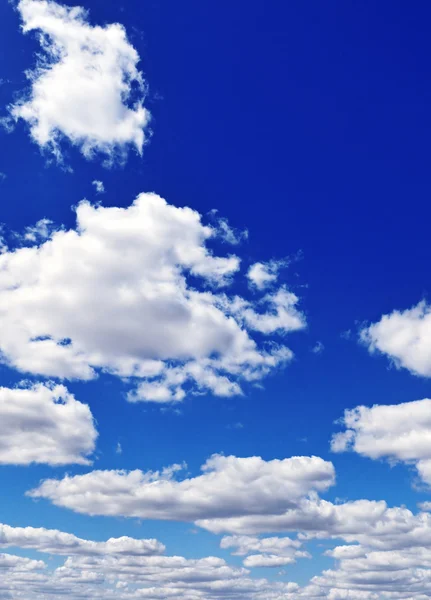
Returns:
(44, 424)
(404, 337)
(400, 432)
(228, 487)
(136, 292)
(86, 86)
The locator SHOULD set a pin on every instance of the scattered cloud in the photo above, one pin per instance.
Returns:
(99, 186)
(44, 424)
(127, 576)
(318, 348)
(400, 432)
(85, 87)
(265, 552)
(37, 233)
(404, 337)
(143, 263)
(262, 274)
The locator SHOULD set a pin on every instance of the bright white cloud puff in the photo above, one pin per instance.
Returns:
(44, 424)
(262, 274)
(86, 86)
(400, 432)
(120, 294)
(404, 337)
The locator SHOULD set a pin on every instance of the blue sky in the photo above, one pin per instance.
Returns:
(215, 336)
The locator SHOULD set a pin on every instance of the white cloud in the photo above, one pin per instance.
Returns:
(280, 313)
(364, 573)
(18, 563)
(265, 552)
(44, 424)
(230, 235)
(99, 186)
(143, 265)
(126, 576)
(400, 432)
(228, 487)
(39, 232)
(53, 541)
(263, 274)
(403, 336)
(267, 560)
(85, 87)
(132, 578)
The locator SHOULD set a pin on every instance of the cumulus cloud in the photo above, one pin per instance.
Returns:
(404, 337)
(126, 576)
(228, 487)
(263, 274)
(364, 573)
(400, 432)
(53, 541)
(265, 552)
(137, 292)
(85, 87)
(44, 424)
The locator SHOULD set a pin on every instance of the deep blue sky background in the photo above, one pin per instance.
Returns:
(307, 123)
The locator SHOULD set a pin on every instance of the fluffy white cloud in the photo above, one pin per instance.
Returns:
(99, 186)
(130, 577)
(263, 274)
(53, 541)
(281, 313)
(228, 487)
(366, 573)
(403, 336)
(120, 294)
(265, 552)
(400, 432)
(86, 86)
(44, 424)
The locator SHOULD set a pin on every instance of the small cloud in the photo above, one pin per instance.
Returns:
(346, 335)
(226, 232)
(119, 449)
(2, 176)
(235, 426)
(39, 232)
(100, 188)
(318, 348)
(262, 274)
